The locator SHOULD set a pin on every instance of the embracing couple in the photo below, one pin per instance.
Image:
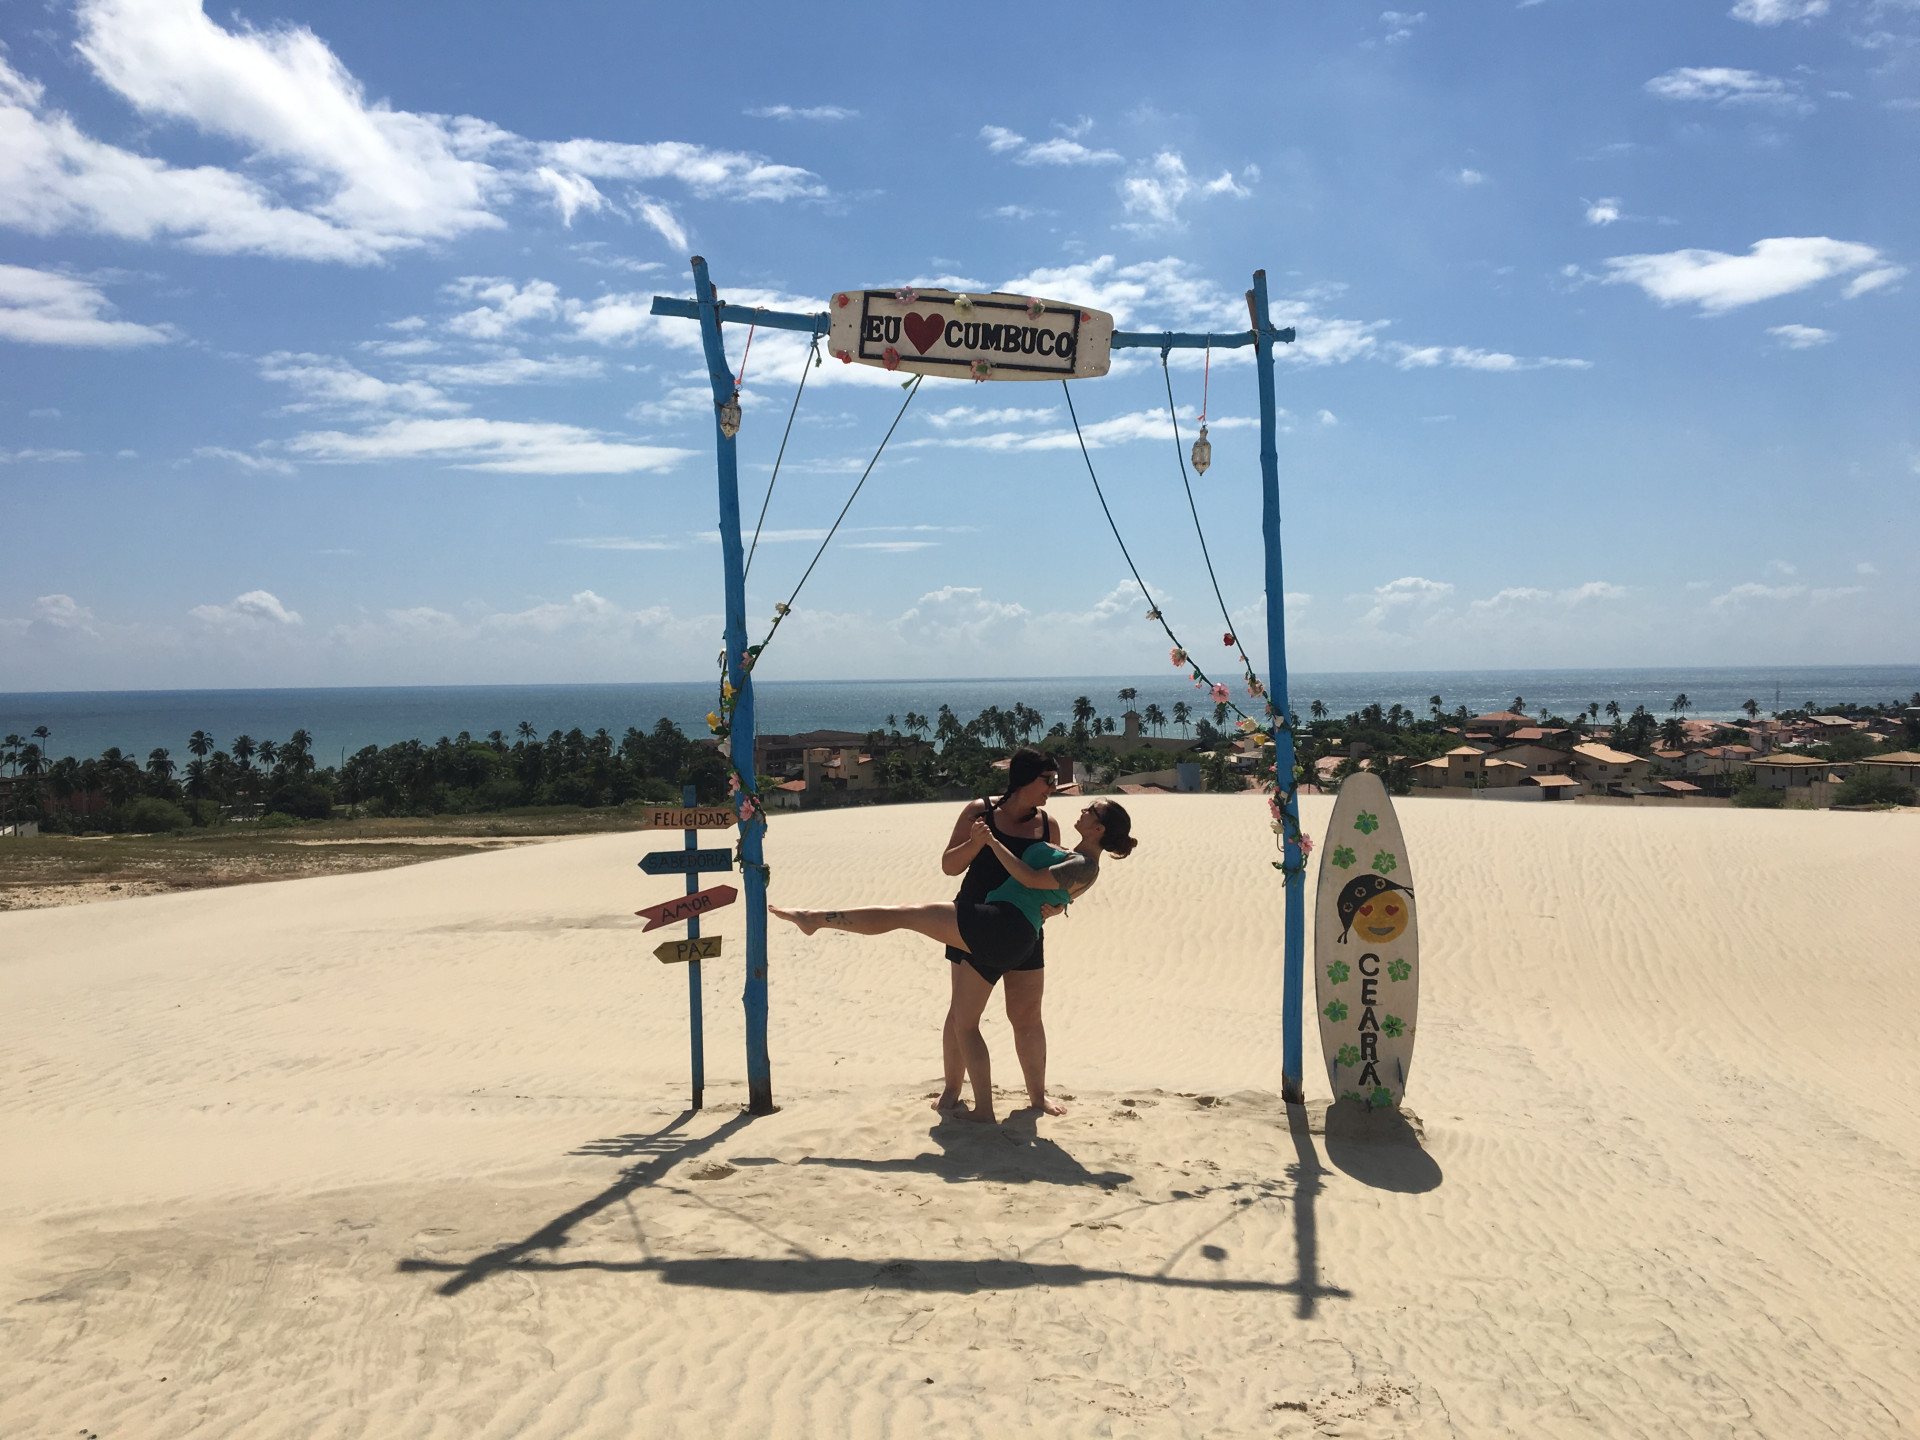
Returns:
(1016, 877)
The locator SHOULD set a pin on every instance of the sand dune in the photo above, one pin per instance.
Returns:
(403, 1153)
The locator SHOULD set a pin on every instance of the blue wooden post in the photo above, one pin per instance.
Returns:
(1293, 982)
(733, 558)
(696, 1031)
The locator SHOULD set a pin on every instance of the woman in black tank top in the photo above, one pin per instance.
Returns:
(1017, 819)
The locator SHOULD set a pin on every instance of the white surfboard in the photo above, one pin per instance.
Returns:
(1366, 948)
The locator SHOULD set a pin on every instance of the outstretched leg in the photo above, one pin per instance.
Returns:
(936, 922)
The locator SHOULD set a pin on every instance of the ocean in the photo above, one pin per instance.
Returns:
(342, 720)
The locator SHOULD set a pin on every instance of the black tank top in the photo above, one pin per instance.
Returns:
(985, 873)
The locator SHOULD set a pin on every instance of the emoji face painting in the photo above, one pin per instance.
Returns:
(1375, 908)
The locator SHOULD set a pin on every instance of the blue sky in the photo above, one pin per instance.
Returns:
(327, 361)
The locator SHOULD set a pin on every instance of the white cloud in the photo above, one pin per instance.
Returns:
(1158, 191)
(325, 384)
(260, 464)
(893, 547)
(1407, 594)
(1327, 417)
(18, 457)
(1742, 595)
(253, 610)
(1866, 567)
(1718, 282)
(1400, 24)
(1469, 177)
(62, 612)
(1518, 596)
(664, 222)
(1603, 212)
(1465, 357)
(330, 175)
(514, 369)
(1776, 12)
(1722, 85)
(1802, 337)
(43, 307)
(971, 415)
(1063, 150)
(508, 306)
(1873, 280)
(615, 542)
(958, 616)
(472, 443)
(810, 112)
(1013, 212)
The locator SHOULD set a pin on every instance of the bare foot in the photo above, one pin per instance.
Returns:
(1048, 1105)
(807, 920)
(948, 1101)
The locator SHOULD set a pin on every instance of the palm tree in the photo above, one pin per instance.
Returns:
(42, 734)
(1673, 732)
(243, 751)
(1156, 717)
(1593, 710)
(200, 744)
(269, 752)
(1082, 710)
(525, 730)
(159, 764)
(1220, 713)
(1129, 695)
(1681, 704)
(1519, 706)
(1752, 707)
(297, 753)
(1183, 712)
(1028, 719)
(1436, 705)
(1613, 711)
(1318, 710)
(13, 744)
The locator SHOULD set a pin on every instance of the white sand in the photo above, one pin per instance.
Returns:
(400, 1154)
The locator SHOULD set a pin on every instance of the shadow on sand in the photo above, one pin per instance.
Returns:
(1012, 1152)
(1379, 1148)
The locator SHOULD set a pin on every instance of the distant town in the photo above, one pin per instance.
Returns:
(1815, 757)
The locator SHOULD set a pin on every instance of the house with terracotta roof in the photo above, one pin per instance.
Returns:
(1498, 723)
(1605, 771)
(1792, 772)
(1466, 768)
(1903, 765)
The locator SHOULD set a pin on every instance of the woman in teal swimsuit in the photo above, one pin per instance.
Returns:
(999, 933)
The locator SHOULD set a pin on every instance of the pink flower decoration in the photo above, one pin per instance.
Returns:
(1273, 807)
(906, 295)
(844, 357)
(1220, 694)
(842, 301)
(1178, 656)
(891, 357)
(1306, 846)
(1035, 308)
(1255, 689)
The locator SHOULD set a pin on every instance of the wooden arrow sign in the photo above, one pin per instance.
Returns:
(678, 952)
(702, 817)
(682, 862)
(686, 907)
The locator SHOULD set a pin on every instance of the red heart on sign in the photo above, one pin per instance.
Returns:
(923, 330)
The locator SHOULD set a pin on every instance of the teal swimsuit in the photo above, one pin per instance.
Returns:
(1003, 930)
(1041, 856)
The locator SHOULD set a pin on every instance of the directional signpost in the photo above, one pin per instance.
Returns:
(689, 952)
(687, 907)
(692, 818)
(686, 862)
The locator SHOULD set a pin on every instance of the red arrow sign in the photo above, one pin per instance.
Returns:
(685, 907)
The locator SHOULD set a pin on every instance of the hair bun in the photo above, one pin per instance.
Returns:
(1120, 849)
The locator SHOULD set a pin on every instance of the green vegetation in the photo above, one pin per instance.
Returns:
(1759, 797)
(1873, 785)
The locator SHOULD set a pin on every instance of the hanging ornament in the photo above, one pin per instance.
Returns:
(982, 369)
(1227, 639)
(730, 416)
(890, 357)
(1036, 308)
(1202, 453)
(963, 305)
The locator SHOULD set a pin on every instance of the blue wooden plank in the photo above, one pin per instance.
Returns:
(680, 862)
(1293, 962)
(696, 1024)
(753, 996)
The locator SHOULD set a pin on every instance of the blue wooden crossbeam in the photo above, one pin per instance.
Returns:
(820, 324)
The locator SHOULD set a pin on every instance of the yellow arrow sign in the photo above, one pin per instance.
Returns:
(678, 952)
(702, 817)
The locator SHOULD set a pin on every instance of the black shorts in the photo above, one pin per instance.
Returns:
(999, 938)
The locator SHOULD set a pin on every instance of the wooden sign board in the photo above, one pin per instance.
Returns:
(979, 337)
(706, 817)
(679, 952)
(682, 862)
(686, 907)
(1366, 948)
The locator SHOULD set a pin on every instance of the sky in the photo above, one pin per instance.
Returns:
(325, 353)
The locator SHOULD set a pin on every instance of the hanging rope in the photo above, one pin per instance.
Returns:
(1194, 510)
(806, 367)
(720, 721)
(741, 378)
(1181, 655)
